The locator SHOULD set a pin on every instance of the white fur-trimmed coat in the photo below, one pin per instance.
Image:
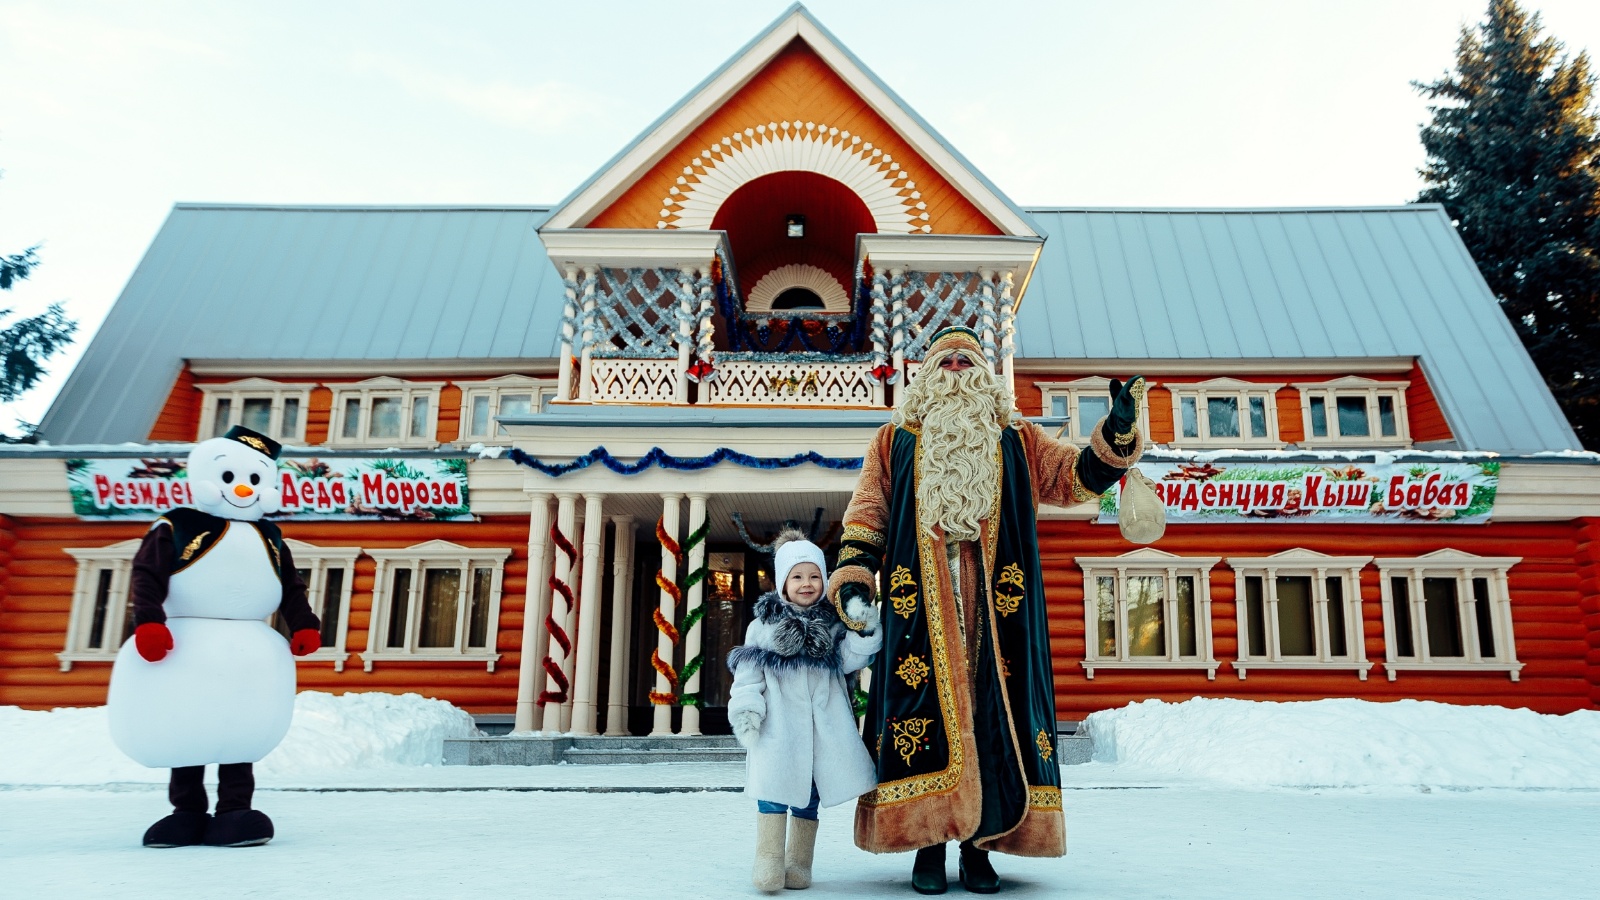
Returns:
(790, 674)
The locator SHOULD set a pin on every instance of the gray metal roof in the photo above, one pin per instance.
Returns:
(473, 283)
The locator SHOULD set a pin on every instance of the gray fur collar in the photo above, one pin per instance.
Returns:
(794, 636)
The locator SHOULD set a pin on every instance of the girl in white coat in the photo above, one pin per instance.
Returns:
(790, 708)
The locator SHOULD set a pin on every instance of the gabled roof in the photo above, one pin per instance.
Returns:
(1113, 290)
(621, 171)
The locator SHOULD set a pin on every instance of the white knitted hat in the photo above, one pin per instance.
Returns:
(791, 549)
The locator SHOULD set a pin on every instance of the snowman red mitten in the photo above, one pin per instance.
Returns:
(304, 641)
(152, 640)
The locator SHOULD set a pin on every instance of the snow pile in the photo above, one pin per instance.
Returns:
(1348, 743)
(329, 733)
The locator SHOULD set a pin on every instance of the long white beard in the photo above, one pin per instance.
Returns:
(962, 415)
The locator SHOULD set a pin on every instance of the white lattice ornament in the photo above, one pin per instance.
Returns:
(749, 383)
(635, 380)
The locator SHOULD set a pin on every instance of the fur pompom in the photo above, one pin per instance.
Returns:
(789, 533)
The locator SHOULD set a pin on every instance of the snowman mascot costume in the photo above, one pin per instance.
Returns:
(205, 678)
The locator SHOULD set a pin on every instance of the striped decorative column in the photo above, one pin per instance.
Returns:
(536, 606)
(558, 649)
(665, 696)
(695, 610)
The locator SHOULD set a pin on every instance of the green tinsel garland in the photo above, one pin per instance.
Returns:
(693, 616)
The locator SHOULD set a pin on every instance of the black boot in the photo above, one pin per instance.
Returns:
(186, 826)
(927, 873)
(236, 824)
(977, 876)
(181, 829)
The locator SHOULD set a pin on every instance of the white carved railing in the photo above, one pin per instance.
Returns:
(634, 380)
(750, 383)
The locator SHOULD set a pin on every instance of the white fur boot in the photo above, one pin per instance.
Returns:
(769, 851)
(802, 848)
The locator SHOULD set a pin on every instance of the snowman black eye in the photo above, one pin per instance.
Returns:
(227, 477)
(254, 478)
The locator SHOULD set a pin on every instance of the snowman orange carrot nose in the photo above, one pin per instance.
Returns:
(240, 490)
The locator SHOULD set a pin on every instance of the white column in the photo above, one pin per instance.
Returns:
(1008, 329)
(897, 341)
(621, 624)
(696, 596)
(586, 689)
(586, 327)
(569, 665)
(685, 332)
(566, 511)
(569, 312)
(535, 605)
(662, 724)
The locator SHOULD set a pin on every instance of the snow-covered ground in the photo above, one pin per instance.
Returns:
(1201, 799)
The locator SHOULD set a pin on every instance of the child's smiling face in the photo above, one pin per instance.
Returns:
(804, 585)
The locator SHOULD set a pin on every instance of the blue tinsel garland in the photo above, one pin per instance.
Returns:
(659, 457)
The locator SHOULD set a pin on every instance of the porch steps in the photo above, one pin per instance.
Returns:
(544, 750)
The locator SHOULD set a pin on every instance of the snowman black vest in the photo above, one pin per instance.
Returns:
(194, 533)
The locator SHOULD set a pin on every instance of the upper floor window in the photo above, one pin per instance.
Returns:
(1225, 412)
(1083, 403)
(385, 412)
(101, 617)
(1356, 411)
(1448, 610)
(436, 600)
(271, 408)
(328, 573)
(1299, 609)
(510, 395)
(1147, 609)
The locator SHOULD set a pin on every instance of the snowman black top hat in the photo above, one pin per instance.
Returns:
(255, 440)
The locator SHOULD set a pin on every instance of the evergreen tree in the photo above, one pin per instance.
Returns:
(1512, 157)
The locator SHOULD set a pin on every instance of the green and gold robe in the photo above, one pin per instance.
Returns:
(961, 718)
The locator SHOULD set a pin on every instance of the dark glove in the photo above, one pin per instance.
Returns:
(304, 641)
(1126, 397)
(854, 604)
(152, 640)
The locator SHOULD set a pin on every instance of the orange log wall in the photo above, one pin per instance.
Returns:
(1555, 617)
(36, 583)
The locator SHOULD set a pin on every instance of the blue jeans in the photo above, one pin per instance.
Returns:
(808, 812)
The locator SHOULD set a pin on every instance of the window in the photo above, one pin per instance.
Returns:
(1448, 610)
(436, 600)
(1299, 609)
(272, 408)
(511, 395)
(101, 617)
(385, 412)
(1147, 609)
(329, 573)
(1083, 403)
(1225, 412)
(1356, 411)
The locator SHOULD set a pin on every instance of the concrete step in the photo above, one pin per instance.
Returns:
(697, 742)
(636, 757)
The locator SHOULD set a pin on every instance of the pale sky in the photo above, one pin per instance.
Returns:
(115, 111)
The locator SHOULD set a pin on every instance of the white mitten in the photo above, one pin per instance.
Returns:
(860, 610)
(746, 727)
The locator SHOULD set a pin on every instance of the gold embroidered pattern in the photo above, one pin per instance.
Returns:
(194, 546)
(1043, 740)
(1005, 601)
(1005, 667)
(863, 534)
(1044, 797)
(908, 737)
(948, 778)
(905, 602)
(1081, 494)
(913, 671)
(850, 553)
(254, 442)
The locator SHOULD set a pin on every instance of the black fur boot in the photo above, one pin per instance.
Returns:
(927, 873)
(240, 828)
